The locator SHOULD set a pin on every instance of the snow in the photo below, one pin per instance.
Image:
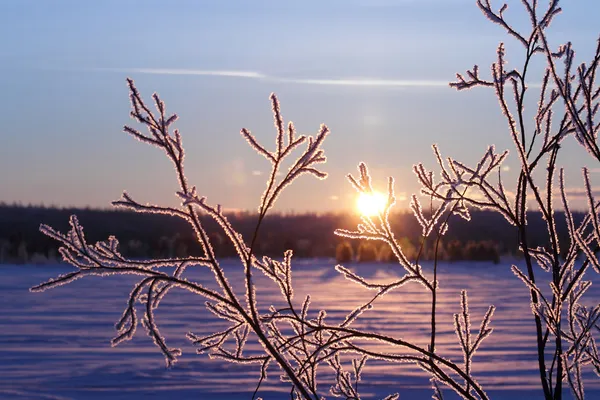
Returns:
(56, 344)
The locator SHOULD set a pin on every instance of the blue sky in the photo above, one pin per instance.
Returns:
(374, 71)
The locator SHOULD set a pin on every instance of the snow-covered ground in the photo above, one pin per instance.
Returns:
(56, 344)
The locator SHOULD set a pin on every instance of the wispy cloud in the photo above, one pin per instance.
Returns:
(580, 193)
(365, 82)
(176, 71)
(359, 81)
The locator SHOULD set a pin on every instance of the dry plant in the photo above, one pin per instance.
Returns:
(564, 347)
(298, 343)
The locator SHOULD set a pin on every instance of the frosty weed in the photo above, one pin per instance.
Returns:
(299, 344)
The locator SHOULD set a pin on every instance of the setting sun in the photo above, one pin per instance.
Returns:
(371, 204)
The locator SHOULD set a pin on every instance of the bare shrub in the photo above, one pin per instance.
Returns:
(299, 344)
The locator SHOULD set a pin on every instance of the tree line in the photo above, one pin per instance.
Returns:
(485, 237)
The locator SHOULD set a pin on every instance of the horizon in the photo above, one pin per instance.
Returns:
(371, 71)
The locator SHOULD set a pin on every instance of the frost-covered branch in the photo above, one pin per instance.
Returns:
(298, 339)
(538, 148)
(104, 258)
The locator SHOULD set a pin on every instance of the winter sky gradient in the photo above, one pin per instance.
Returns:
(374, 71)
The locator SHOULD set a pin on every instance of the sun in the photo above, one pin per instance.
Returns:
(371, 204)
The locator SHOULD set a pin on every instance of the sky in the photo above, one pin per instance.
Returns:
(376, 72)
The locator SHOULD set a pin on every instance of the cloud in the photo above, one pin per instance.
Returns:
(579, 193)
(176, 71)
(356, 82)
(334, 198)
(364, 82)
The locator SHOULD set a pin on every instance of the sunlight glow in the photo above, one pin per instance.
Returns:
(371, 204)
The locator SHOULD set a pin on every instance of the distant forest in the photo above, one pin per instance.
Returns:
(485, 237)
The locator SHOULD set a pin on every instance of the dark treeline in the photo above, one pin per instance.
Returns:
(485, 237)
